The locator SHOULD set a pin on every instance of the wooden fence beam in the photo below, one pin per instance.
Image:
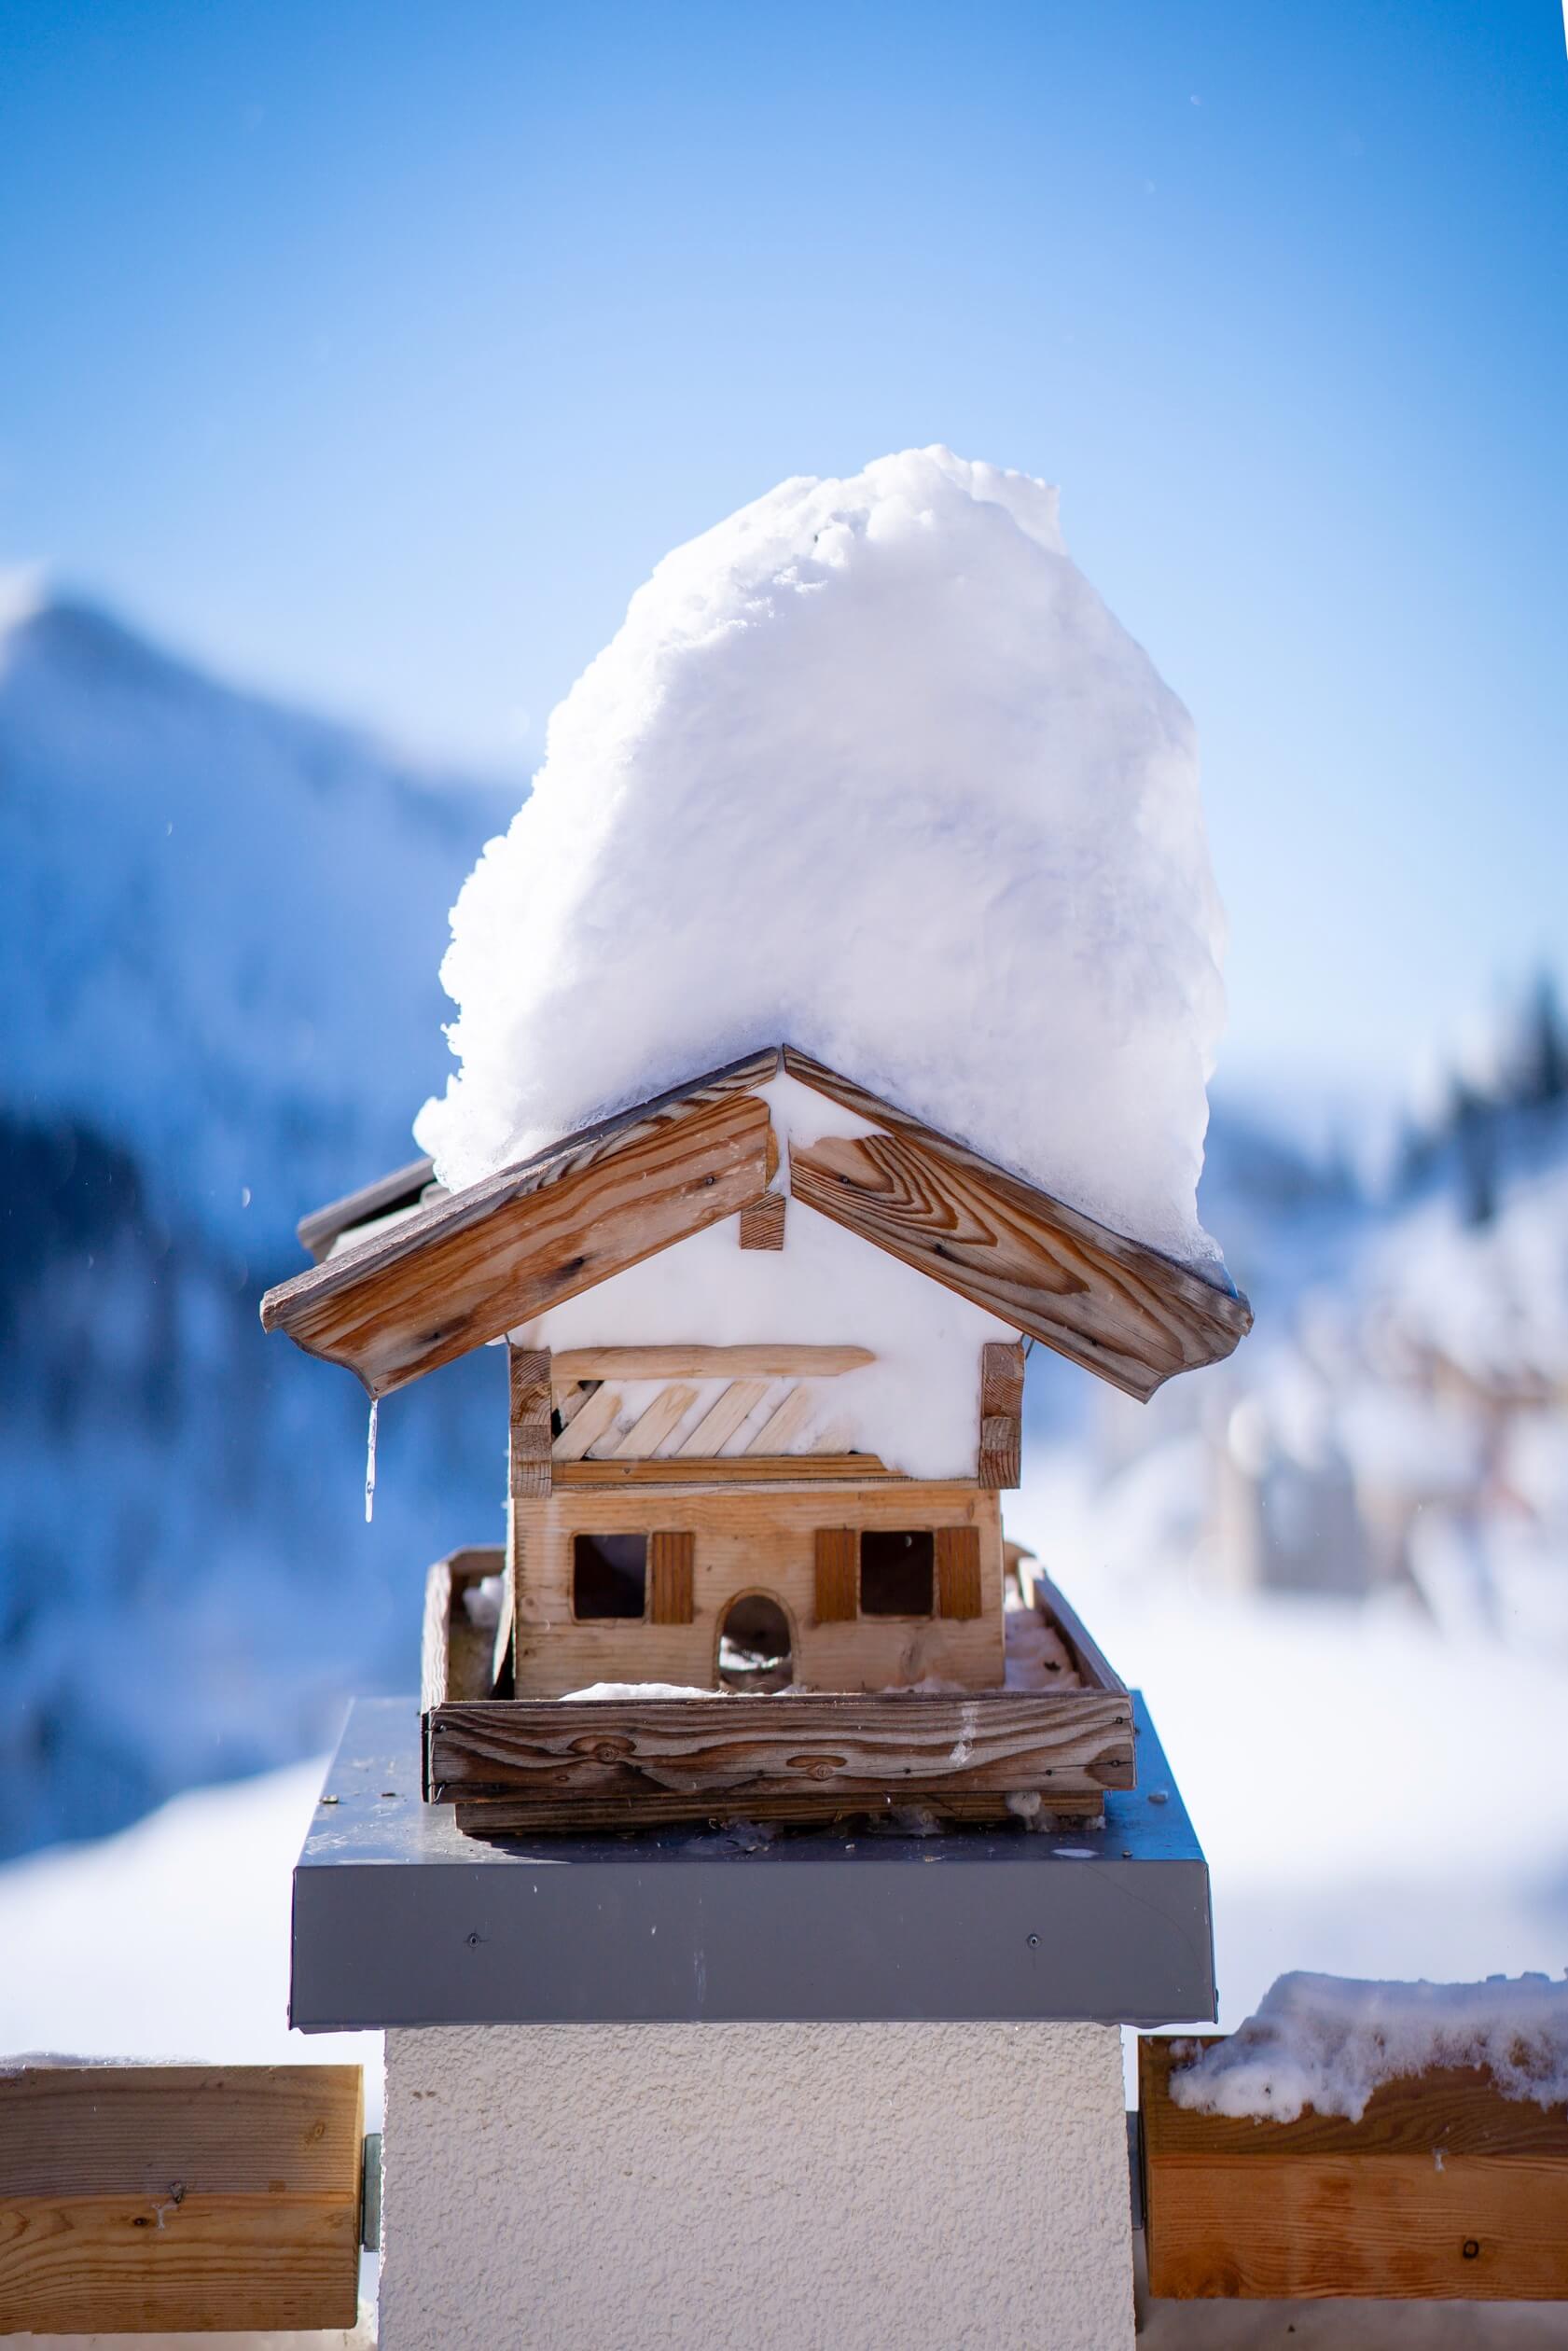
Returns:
(179, 2198)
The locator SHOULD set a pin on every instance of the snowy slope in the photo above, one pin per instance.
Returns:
(223, 924)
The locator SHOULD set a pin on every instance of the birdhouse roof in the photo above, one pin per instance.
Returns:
(408, 1282)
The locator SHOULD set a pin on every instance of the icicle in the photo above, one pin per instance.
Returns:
(371, 1462)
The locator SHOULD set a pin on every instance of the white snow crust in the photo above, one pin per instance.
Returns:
(1328, 2041)
(869, 768)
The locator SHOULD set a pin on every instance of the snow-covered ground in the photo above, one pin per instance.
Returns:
(170, 1939)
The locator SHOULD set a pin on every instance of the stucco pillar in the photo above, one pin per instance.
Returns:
(734, 2187)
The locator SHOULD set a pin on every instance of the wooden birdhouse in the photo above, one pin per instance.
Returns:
(766, 1338)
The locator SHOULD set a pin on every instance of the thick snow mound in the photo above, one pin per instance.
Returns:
(1328, 2041)
(869, 768)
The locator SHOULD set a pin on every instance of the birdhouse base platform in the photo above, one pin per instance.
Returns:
(514, 1766)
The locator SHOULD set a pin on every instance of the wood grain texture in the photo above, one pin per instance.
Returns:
(650, 1429)
(767, 1360)
(959, 1590)
(670, 1577)
(528, 1451)
(587, 1424)
(762, 1224)
(838, 1575)
(1445, 2190)
(511, 1817)
(786, 1422)
(724, 1416)
(1093, 1665)
(993, 1742)
(1115, 1306)
(499, 1252)
(1001, 1454)
(176, 2198)
(747, 1468)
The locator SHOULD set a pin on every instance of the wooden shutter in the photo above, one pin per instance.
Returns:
(837, 1549)
(958, 1571)
(669, 1577)
(177, 2198)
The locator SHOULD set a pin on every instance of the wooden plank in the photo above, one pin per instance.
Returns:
(1001, 1454)
(569, 1400)
(586, 1427)
(762, 1224)
(495, 1254)
(770, 1359)
(723, 1417)
(1445, 2190)
(783, 1425)
(176, 2198)
(1093, 1665)
(402, 1189)
(747, 1468)
(1109, 1303)
(958, 1572)
(435, 1636)
(513, 1817)
(670, 1557)
(838, 1575)
(1077, 1742)
(663, 1416)
(529, 1453)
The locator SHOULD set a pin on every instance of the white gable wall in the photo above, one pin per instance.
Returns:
(916, 1406)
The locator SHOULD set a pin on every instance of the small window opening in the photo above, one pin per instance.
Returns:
(609, 1574)
(754, 1647)
(898, 1572)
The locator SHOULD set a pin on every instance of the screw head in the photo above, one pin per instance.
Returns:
(1470, 2248)
(472, 1940)
(1034, 1942)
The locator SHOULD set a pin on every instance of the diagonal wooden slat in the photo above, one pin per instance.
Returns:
(784, 1422)
(724, 1416)
(589, 1425)
(645, 1437)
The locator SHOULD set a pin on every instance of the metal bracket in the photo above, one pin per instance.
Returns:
(1135, 2165)
(370, 2194)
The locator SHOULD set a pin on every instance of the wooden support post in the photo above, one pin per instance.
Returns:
(762, 1222)
(1001, 1459)
(530, 1368)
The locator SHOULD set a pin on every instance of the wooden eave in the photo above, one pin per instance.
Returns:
(467, 1268)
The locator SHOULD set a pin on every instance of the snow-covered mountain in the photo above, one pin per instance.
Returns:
(1395, 1429)
(223, 925)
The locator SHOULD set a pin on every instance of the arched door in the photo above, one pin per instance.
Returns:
(754, 1644)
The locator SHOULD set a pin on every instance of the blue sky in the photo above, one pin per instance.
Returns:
(376, 354)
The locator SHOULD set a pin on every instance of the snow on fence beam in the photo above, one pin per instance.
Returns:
(179, 2198)
(1444, 2191)
(1111, 1304)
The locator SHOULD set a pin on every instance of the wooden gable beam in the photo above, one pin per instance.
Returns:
(473, 1266)
(401, 1189)
(1113, 1305)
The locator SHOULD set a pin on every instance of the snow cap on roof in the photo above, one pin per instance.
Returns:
(870, 768)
